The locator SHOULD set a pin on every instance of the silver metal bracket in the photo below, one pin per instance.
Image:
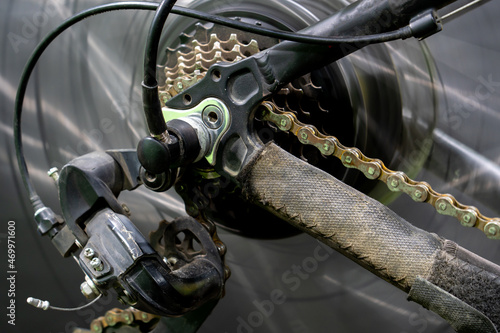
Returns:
(210, 119)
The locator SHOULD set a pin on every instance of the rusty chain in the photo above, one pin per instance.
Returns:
(396, 181)
(131, 317)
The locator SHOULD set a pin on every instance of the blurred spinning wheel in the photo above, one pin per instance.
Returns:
(429, 109)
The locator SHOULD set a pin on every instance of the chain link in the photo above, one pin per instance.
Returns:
(128, 317)
(396, 181)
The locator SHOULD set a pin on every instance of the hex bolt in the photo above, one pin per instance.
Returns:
(126, 209)
(87, 291)
(54, 174)
(88, 253)
(97, 264)
(212, 116)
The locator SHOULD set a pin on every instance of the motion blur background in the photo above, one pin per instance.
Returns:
(84, 96)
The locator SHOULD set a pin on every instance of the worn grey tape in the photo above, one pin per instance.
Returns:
(366, 231)
(461, 316)
(341, 217)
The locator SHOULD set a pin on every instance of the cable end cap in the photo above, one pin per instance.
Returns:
(37, 303)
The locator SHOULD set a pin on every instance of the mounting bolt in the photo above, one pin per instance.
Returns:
(87, 290)
(97, 264)
(54, 174)
(213, 116)
(88, 253)
(126, 209)
(172, 261)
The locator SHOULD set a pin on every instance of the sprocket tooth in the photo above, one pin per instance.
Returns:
(189, 69)
(171, 75)
(187, 63)
(311, 91)
(225, 55)
(202, 32)
(173, 54)
(206, 63)
(188, 60)
(229, 43)
(184, 38)
(205, 46)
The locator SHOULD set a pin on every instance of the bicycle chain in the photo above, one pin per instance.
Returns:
(143, 321)
(396, 181)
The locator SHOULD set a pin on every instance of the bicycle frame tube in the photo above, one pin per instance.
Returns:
(290, 60)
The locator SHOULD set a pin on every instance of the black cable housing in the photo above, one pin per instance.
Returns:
(153, 41)
(151, 104)
(28, 70)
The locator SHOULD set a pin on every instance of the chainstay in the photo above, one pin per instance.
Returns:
(396, 181)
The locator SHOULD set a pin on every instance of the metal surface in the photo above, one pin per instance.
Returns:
(396, 181)
(85, 95)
